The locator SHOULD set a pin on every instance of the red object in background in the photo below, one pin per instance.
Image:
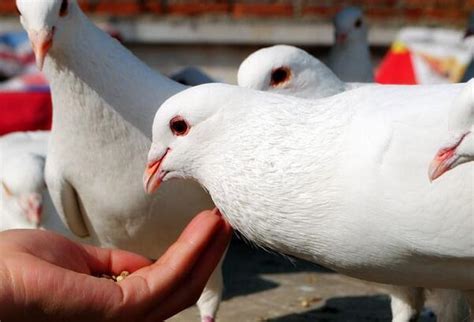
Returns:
(396, 68)
(25, 111)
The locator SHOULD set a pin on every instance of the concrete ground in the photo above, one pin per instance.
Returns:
(267, 287)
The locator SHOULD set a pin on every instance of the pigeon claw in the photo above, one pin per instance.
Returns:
(207, 318)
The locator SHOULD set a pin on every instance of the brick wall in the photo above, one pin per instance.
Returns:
(452, 12)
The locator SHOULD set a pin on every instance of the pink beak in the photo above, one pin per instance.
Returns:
(441, 163)
(154, 175)
(41, 41)
(444, 160)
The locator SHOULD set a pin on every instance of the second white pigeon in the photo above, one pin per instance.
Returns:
(102, 108)
(292, 71)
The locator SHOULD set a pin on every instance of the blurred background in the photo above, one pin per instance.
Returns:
(411, 42)
(217, 35)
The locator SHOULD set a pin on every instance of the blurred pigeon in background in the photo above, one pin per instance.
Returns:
(469, 36)
(350, 57)
(25, 202)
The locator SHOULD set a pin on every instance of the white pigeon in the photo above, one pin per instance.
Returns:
(289, 70)
(25, 202)
(292, 71)
(339, 181)
(350, 58)
(95, 158)
(21, 186)
(22, 159)
(191, 76)
(458, 145)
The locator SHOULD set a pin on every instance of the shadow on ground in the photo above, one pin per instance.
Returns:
(350, 309)
(345, 309)
(245, 263)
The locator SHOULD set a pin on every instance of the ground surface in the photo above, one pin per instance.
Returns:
(266, 287)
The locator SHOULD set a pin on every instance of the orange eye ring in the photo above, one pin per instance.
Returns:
(179, 126)
(280, 76)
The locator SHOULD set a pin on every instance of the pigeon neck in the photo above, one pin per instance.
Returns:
(354, 46)
(93, 63)
(342, 57)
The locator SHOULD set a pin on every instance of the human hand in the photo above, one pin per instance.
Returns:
(46, 277)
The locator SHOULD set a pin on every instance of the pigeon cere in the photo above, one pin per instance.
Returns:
(236, 161)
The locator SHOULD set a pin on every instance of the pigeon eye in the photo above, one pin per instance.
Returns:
(63, 9)
(179, 126)
(358, 23)
(280, 76)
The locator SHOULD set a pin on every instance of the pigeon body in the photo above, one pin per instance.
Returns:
(104, 100)
(350, 58)
(339, 181)
(307, 77)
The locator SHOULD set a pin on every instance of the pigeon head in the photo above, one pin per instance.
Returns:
(459, 146)
(22, 184)
(44, 20)
(290, 71)
(350, 26)
(183, 130)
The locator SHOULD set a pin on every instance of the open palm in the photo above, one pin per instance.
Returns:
(46, 277)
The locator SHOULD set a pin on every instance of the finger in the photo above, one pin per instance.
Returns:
(194, 234)
(108, 261)
(112, 261)
(162, 277)
(190, 289)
